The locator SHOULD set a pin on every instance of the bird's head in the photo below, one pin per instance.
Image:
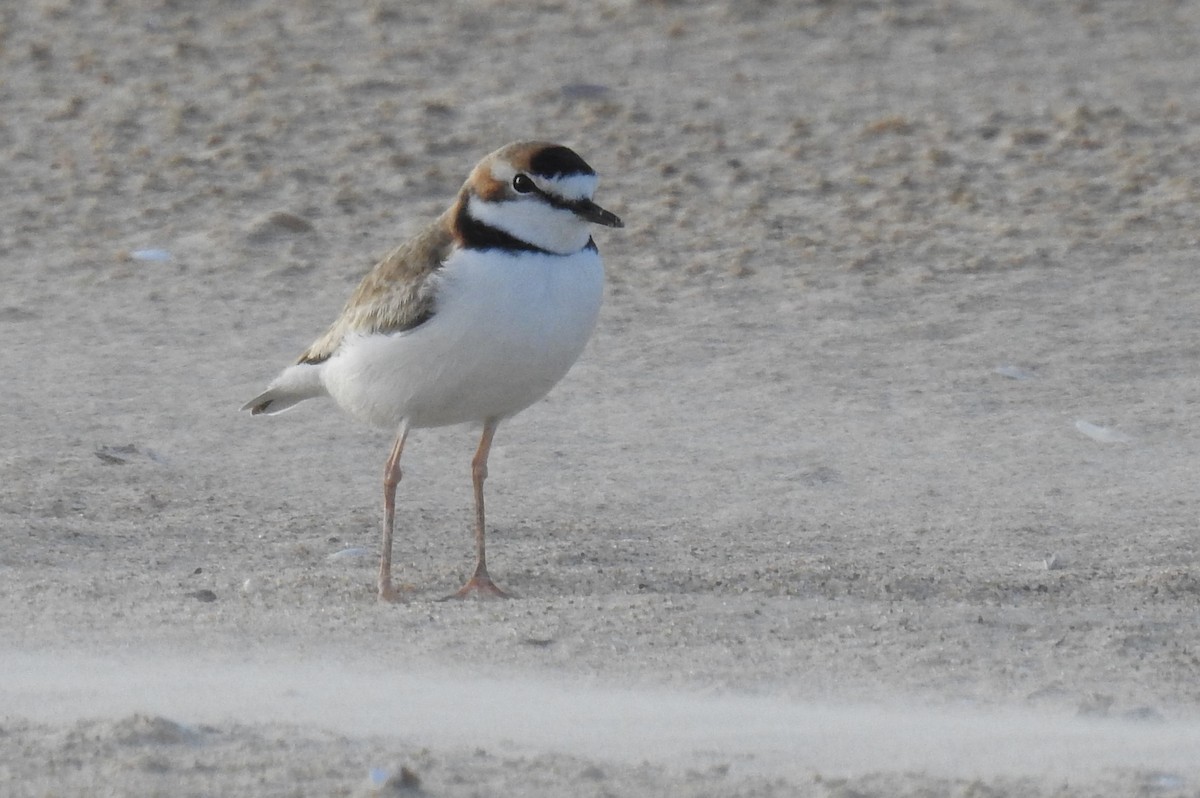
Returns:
(538, 193)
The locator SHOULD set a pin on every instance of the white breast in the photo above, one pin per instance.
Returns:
(506, 329)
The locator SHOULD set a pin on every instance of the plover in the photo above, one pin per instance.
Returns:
(473, 319)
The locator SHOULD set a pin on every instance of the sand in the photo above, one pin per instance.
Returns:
(878, 477)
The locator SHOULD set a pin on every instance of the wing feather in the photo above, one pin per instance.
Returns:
(397, 294)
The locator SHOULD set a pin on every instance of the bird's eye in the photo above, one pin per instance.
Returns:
(522, 184)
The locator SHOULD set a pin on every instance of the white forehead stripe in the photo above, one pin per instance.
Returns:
(570, 187)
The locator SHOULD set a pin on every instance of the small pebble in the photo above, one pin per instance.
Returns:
(276, 226)
(1101, 434)
(120, 455)
(584, 91)
(153, 255)
(290, 221)
(385, 782)
(1014, 372)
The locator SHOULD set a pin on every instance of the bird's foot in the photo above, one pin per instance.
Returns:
(394, 594)
(479, 586)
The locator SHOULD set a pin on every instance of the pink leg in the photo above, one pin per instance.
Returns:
(391, 478)
(481, 584)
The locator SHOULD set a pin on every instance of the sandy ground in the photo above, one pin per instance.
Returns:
(878, 478)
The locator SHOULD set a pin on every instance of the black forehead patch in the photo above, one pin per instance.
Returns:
(558, 161)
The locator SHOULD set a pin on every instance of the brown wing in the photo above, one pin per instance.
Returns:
(396, 295)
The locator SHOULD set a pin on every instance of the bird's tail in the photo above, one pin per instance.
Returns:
(295, 384)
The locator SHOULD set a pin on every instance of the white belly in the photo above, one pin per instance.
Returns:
(506, 329)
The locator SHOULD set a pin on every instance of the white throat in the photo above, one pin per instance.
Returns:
(531, 220)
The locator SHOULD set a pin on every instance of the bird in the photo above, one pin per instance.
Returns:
(470, 321)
